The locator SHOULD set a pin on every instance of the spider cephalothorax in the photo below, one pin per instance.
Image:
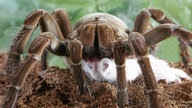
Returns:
(97, 33)
(94, 37)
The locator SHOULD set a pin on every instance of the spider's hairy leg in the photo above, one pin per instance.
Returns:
(142, 22)
(185, 38)
(119, 58)
(21, 39)
(61, 17)
(45, 41)
(166, 30)
(51, 23)
(137, 42)
(18, 80)
(160, 17)
(75, 50)
(47, 24)
(142, 25)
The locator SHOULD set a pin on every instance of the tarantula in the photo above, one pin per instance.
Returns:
(93, 37)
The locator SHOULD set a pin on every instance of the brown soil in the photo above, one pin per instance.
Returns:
(56, 88)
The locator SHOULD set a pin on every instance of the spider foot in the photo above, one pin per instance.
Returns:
(119, 50)
(122, 98)
(84, 90)
(10, 100)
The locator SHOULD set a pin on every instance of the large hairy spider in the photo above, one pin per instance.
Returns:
(94, 36)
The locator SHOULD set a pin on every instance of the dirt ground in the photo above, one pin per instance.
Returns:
(56, 88)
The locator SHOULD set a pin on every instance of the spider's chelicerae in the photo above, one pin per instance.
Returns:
(96, 42)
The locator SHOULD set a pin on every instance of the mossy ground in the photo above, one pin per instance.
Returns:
(56, 88)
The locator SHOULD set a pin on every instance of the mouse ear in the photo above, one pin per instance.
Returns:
(104, 65)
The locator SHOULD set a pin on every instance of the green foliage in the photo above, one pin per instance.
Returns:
(79, 8)
(12, 14)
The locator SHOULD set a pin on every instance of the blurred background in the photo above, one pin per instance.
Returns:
(13, 13)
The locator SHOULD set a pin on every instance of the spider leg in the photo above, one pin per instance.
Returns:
(143, 20)
(137, 42)
(47, 24)
(119, 58)
(159, 16)
(142, 25)
(62, 20)
(45, 41)
(58, 23)
(75, 50)
(20, 40)
(139, 46)
(166, 30)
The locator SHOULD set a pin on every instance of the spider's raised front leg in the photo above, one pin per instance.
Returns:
(45, 41)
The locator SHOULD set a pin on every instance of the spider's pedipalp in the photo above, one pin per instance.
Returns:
(119, 58)
(75, 49)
